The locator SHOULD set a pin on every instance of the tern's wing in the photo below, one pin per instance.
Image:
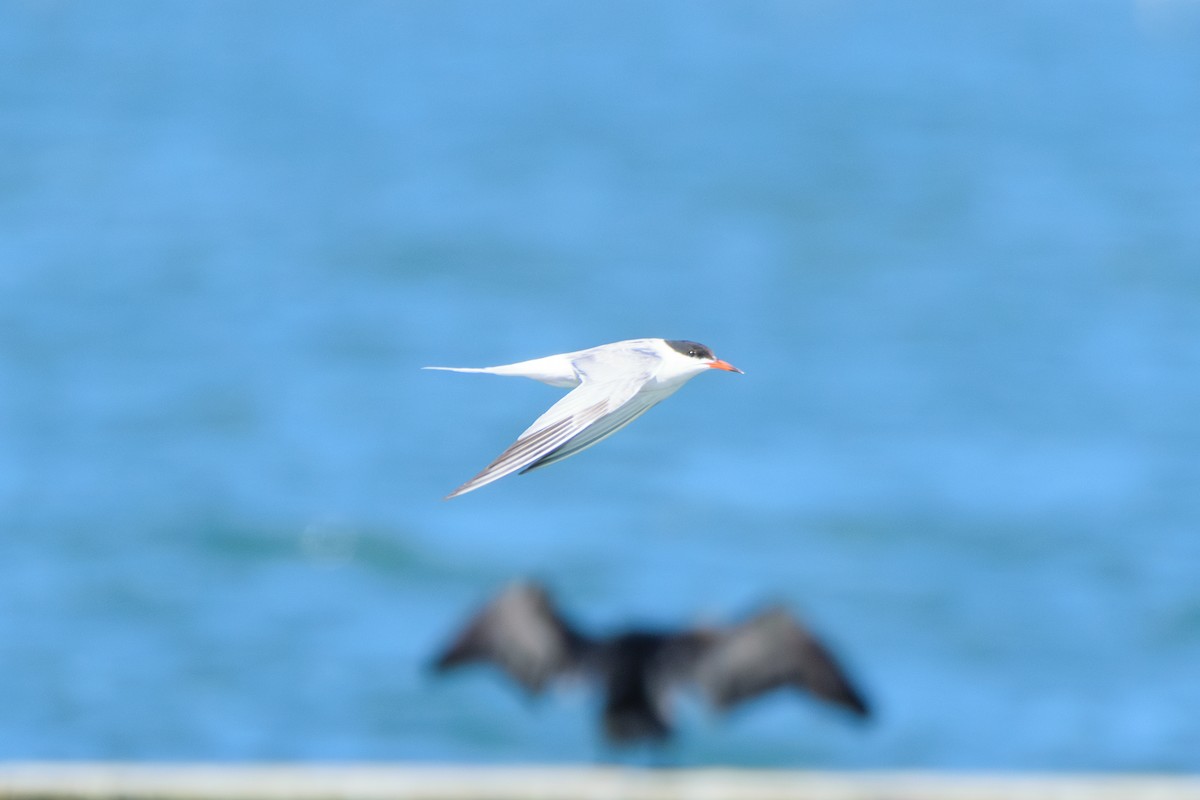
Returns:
(606, 426)
(521, 632)
(769, 652)
(607, 399)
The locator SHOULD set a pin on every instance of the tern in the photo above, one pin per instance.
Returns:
(638, 670)
(612, 385)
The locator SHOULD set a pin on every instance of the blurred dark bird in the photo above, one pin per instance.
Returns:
(522, 633)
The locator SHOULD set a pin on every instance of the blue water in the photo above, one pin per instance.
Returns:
(955, 248)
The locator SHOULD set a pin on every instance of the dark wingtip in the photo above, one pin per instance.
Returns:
(858, 704)
(447, 659)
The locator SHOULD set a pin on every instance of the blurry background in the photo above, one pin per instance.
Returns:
(955, 248)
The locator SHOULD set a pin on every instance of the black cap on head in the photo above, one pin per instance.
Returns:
(691, 349)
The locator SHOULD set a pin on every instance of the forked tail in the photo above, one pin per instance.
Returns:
(463, 369)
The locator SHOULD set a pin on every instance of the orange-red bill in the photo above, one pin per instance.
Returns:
(725, 365)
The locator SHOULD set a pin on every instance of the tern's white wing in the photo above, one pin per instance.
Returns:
(609, 397)
(602, 428)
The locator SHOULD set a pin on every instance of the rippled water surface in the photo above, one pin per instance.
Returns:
(954, 247)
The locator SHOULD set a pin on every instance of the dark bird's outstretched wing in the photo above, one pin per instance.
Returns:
(771, 651)
(521, 632)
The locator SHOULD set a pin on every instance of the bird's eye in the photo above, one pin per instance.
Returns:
(689, 349)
